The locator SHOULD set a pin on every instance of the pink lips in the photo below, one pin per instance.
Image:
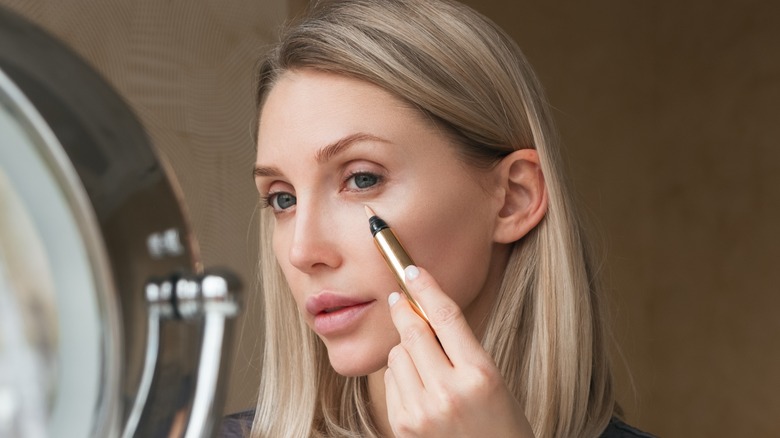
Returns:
(335, 313)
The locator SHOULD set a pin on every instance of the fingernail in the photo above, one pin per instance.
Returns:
(393, 298)
(411, 272)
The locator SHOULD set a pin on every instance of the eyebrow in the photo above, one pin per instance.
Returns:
(324, 154)
(266, 171)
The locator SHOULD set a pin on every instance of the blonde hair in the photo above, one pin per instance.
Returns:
(545, 332)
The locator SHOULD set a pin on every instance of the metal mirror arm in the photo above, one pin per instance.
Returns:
(219, 306)
(211, 299)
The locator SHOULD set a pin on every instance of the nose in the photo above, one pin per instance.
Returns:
(314, 244)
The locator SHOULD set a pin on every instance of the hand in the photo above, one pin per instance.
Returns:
(448, 390)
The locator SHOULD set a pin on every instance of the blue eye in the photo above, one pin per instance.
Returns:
(280, 201)
(363, 180)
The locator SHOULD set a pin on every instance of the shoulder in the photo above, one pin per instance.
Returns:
(619, 429)
(236, 425)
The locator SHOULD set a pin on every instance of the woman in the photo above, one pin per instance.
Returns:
(427, 113)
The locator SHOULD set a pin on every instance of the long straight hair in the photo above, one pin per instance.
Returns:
(545, 331)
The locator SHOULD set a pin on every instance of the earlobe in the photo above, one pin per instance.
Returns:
(525, 195)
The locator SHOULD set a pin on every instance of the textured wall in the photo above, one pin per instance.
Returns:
(186, 69)
(717, 207)
(669, 115)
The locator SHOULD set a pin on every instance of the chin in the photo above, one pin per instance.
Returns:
(357, 364)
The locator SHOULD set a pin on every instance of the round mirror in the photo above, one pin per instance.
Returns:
(108, 324)
(54, 285)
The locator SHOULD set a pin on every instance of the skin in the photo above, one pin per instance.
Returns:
(328, 145)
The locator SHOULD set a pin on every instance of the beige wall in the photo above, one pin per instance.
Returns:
(669, 115)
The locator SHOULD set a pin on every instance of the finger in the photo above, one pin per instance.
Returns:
(453, 331)
(395, 407)
(407, 379)
(418, 340)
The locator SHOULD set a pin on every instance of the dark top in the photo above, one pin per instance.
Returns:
(238, 426)
(619, 429)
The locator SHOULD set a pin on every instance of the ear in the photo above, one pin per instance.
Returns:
(525, 195)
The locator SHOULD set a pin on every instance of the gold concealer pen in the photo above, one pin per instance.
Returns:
(395, 255)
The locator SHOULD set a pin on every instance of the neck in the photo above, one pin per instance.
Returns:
(479, 310)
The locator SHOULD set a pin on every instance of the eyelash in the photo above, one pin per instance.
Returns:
(352, 174)
(266, 200)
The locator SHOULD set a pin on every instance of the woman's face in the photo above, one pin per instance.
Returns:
(327, 146)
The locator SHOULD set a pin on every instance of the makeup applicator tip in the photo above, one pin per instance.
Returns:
(369, 212)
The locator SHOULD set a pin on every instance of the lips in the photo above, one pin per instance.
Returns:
(328, 302)
(333, 309)
(334, 313)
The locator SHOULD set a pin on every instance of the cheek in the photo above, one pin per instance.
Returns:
(280, 246)
(452, 238)
(280, 243)
(459, 263)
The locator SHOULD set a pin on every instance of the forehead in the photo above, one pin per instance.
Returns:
(307, 105)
